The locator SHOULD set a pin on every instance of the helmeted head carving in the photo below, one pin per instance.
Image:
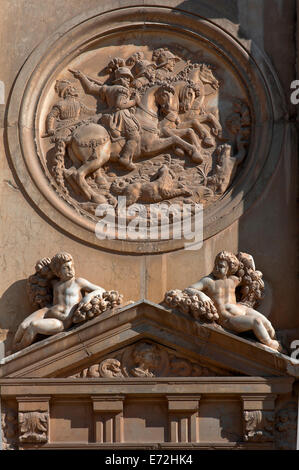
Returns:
(123, 75)
(226, 264)
(164, 58)
(65, 88)
(115, 63)
(143, 68)
(136, 57)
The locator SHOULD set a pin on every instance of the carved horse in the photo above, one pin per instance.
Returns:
(184, 114)
(91, 146)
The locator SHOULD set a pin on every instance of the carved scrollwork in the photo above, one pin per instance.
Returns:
(110, 368)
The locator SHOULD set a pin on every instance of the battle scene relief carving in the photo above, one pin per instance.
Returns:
(156, 125)
(161, 114)
(146, 359)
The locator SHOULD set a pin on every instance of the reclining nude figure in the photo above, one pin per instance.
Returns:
(69, 294)
(220, 286)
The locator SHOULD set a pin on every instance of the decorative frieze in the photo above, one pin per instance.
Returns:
(147, 359)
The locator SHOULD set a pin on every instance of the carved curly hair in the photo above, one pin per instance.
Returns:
(58, 260)
(231, 259)
(252, 286)
(39, 284)
(164, 86)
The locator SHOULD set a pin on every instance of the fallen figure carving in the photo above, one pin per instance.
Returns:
(163, 187)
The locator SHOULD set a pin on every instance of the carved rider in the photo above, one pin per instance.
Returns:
(165, 63)
(193, 114)
(143, 72)
(64, 117)
(66, 114)
(118, 119)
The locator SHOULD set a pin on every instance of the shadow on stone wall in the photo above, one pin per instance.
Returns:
(215, 9)
(14, 307)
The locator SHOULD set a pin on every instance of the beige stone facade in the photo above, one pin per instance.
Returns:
(159, 343)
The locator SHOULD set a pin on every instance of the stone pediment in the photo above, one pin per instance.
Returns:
(144, 339)
(148, 359)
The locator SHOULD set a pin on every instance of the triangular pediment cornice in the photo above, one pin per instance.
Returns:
(115, 331)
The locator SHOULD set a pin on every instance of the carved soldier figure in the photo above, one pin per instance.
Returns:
(220, 287)
(66, 113)
(143, 72)
(165, 62)
(170, 124)
(168, 106)
(147, 106)
(193, 114)
(61, 121)
(69, 293)
(117, 118)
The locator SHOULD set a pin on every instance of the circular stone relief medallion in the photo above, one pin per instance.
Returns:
(139, 111)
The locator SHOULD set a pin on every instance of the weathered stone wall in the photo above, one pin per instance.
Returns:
(267, 230)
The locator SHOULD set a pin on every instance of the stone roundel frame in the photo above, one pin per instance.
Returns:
(74, 37)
